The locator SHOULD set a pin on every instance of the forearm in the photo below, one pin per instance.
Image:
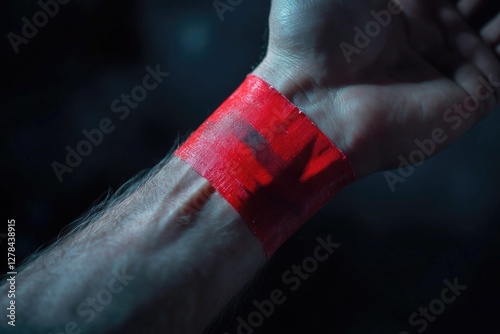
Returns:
(181, 249)
(169, 255)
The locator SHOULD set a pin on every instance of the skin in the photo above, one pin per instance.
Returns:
(183, 248)
(397, 89)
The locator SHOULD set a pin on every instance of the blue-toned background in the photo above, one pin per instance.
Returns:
(396, 249)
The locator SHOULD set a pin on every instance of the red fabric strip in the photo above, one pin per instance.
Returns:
(268, 160)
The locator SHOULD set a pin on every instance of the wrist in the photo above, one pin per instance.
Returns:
(324, 108)
(268, 160)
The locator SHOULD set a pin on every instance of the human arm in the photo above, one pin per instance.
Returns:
(362, 112)
(170, 253)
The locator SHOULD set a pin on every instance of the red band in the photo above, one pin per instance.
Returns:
(268, 160)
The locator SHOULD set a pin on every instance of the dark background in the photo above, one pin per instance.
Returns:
(396, 247)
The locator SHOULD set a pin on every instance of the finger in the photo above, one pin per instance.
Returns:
(491, 32)
(467, 44)
(478, 12)
(469, 8)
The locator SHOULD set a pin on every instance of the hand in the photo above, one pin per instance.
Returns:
(403, 80)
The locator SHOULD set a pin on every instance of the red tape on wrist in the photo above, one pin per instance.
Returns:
(268, 160)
